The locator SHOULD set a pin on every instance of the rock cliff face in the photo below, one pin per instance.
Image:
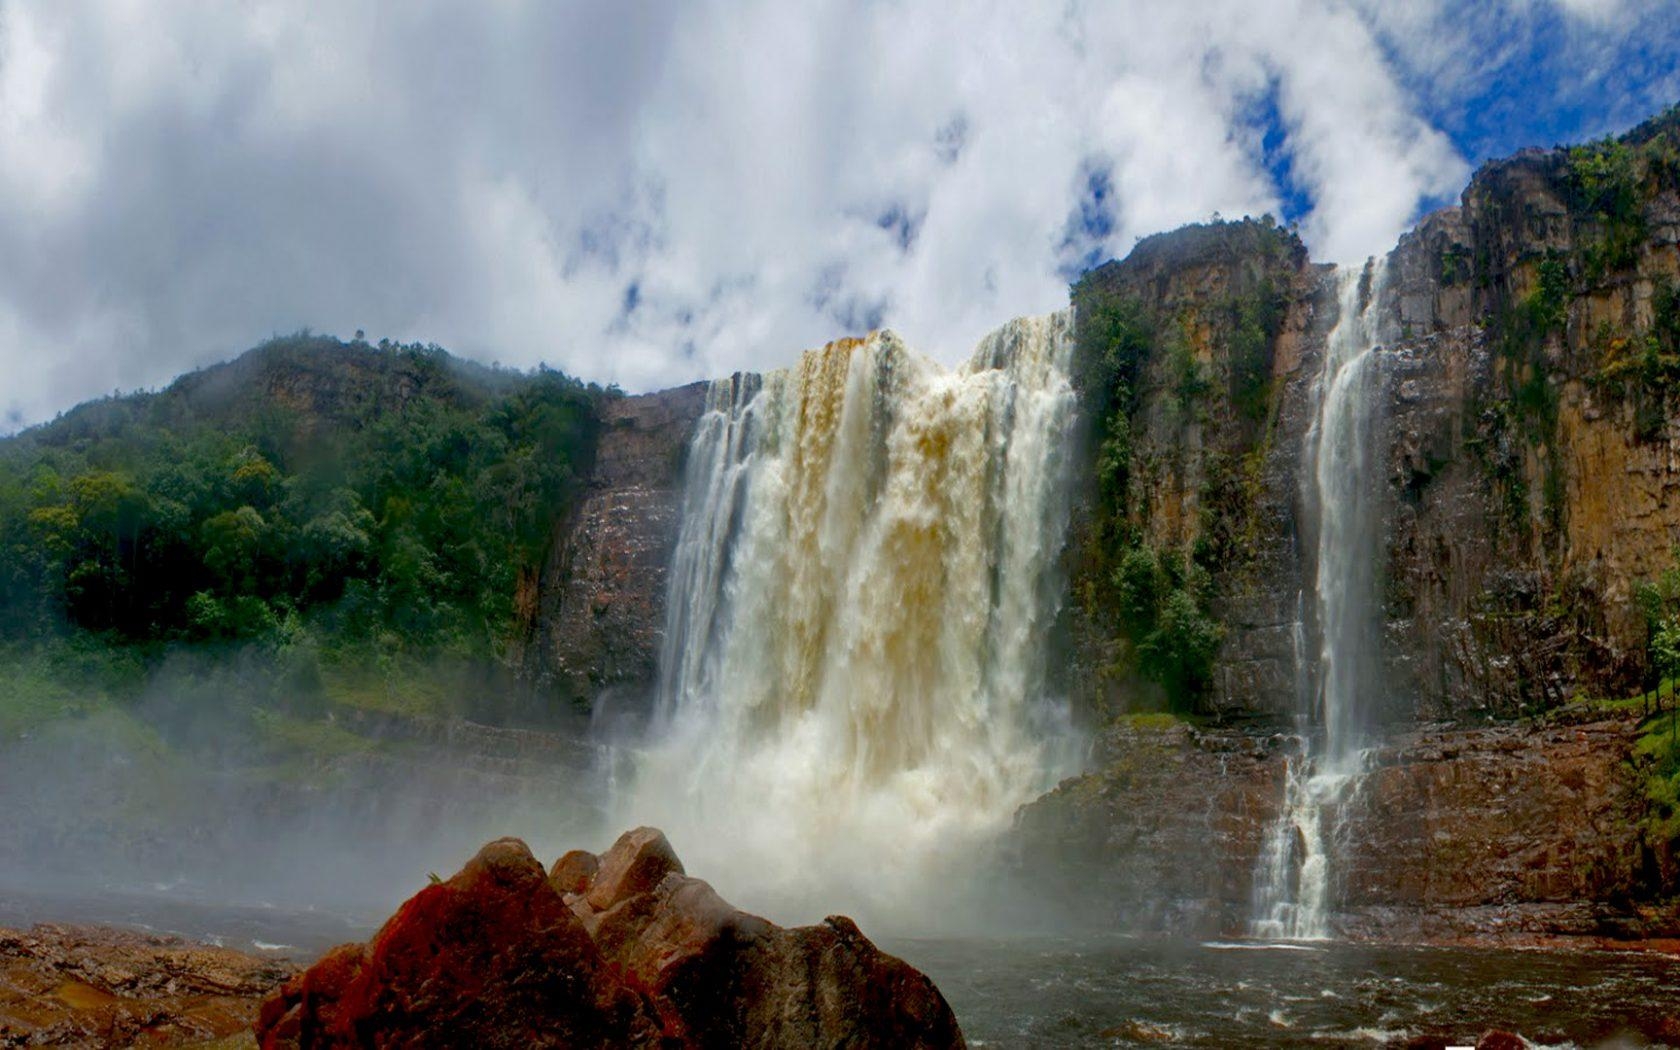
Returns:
(1533, 442)
(598, 611)
(1533, 455)
(1228, 322)
(1506, 831)
(1528, 424)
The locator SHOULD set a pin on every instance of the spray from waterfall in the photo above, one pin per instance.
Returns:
(1294, 880)
(852, 688)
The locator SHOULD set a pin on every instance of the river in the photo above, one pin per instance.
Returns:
(1113, 991)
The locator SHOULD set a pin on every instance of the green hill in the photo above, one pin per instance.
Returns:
(345, 508)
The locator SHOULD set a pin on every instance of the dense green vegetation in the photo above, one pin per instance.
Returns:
(1157, 601)
(1152, 599)
(1656, 752)
(1644, 368)
(356, 512)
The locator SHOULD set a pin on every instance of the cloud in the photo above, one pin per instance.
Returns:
(650, 193)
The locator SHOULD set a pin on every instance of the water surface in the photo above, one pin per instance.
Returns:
(1109, 991)
(1118, 993)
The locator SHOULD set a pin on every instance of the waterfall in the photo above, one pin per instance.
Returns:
(852, 681)
(1293, 880)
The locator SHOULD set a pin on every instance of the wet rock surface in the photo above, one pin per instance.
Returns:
(92, 986)
(640, 954)
(599, 609)
(1502, 834)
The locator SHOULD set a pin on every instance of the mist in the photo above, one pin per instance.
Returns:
(188, 797)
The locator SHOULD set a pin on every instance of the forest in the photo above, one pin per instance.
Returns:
(346, 511)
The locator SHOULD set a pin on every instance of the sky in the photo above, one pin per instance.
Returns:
(651, 193)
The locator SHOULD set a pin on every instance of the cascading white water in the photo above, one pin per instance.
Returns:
(852, 681)
(1293, 880)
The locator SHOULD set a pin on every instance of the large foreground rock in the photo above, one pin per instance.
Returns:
(620, 950)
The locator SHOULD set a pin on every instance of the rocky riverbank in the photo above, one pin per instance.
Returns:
(94, 986)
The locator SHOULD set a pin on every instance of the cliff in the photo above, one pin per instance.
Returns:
(598, 612)
(1508, 831)
(1526, 442)
(1195, 361)
(1526, 421)
(1529, 441)
(1532, 436)
(1526, 429)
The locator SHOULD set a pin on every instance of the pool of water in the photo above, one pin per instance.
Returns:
(1117, 992)
(1108, 991)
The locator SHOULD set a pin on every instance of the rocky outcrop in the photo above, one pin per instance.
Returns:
(1533, 441)
(599, 609)
(1162, 836)
(1529, 419)
(1231, 319)
(1506, 831)
(617, 951)
(89, 986)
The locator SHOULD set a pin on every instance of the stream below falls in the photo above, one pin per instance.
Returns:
(1118, 991)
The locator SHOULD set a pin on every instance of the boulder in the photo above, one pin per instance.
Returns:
(573, 872)
(623, 950)
(635, 864)
(491, 957)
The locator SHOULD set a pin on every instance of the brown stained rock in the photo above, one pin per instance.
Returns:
(1495, 1039)
(313, 994)
(635, 864)
(499, 956)
(1490, 832)
(86, 986)
(573, 872)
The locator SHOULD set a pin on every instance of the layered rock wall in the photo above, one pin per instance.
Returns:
(1534, 467)
(1452, 833)
(599, 606)
(1527, 418)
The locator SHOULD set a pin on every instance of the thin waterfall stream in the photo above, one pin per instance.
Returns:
(1294, 880)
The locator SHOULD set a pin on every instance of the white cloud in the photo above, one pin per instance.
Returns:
(177, 182)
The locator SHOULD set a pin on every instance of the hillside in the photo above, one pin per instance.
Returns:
(344, 509)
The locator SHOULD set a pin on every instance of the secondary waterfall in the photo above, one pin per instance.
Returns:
(1293, 881)
(852, 680)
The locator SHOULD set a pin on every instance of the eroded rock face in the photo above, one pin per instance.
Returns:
(1530, 475)
(1216, 471)
(599, 608)
(1532, 487)
(1504, 832)
(505, 954)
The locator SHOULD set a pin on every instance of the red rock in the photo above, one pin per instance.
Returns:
(492, 957)
(1497, 1040)
(500, 955)
(574, 872)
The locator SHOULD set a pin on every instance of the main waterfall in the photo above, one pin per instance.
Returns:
(1293, 882)
(852, 683)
